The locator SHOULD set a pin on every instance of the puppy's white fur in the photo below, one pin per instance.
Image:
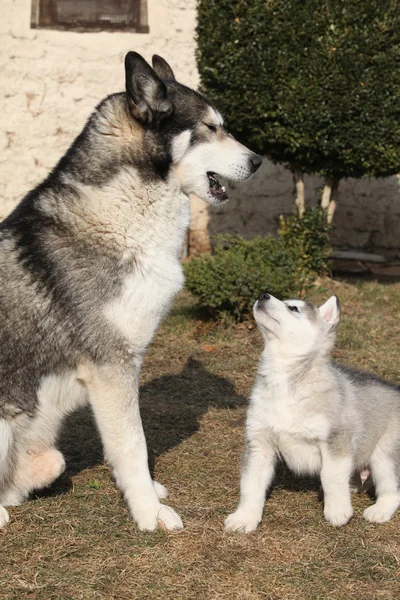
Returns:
(318, 417)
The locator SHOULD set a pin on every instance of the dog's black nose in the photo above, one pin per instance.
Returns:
(264, 296)
(256, 161)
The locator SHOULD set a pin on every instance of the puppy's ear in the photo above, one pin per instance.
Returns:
(162, 68)
(330, 312)
(146, 92)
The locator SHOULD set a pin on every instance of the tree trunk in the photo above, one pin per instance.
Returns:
(298, 180)
(329, 197)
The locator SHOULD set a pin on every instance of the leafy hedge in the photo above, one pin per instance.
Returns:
(229, 281)
(315, 84)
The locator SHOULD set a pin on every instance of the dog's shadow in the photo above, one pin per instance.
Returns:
(171, 406)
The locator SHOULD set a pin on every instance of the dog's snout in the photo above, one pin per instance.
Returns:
(263, 297)
(256, 161)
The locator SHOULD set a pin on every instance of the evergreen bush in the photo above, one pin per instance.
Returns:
(229, 281)
(314, 85)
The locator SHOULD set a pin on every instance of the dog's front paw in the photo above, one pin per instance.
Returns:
(338, 515)
(241, 522)
(4, 518)
(167, 518)
(159, 515)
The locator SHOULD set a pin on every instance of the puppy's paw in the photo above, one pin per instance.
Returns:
(241, 522)
(380, 512)
(158, 515)
(4, 517)
(338, 515)
(160, 490)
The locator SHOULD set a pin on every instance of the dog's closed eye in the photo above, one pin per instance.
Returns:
(293, 308)
(211, 127)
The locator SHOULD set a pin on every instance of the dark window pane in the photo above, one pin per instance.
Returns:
(89, 14)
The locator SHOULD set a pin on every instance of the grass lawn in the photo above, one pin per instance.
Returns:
(77, 541)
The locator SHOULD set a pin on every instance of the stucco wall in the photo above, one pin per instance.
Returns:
(51, 80)
(367, 215)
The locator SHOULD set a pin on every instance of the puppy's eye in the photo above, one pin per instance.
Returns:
(211, 127)
(293, 308)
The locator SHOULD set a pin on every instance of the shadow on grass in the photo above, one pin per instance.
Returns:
(287, 480)
(171, 407)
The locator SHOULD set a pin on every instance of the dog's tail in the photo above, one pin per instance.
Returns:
(6, 443)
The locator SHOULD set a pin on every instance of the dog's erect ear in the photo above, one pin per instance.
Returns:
(147, 93)
(330, 312)
(162, 68)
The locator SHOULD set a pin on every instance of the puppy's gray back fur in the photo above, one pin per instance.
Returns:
(376, 405)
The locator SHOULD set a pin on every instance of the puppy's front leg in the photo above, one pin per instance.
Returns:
(113, 395)
(257, 474)
(335, 478)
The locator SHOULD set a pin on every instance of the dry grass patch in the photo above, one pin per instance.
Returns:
(78, 541)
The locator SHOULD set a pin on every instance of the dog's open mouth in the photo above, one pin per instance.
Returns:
(216, 189)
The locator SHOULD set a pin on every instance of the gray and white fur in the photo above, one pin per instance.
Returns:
(89, 265)
(319, 417)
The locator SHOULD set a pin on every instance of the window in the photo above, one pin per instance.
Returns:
(90, 15)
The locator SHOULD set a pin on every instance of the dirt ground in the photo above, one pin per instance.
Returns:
(77, 541)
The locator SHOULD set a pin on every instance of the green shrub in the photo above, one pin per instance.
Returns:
(315, 84)
(311, 236)
(229, 281)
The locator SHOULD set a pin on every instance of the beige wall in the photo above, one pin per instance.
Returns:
(51, 80)
(367, 216)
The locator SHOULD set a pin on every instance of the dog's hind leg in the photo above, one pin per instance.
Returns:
(37, 462)
(6, 444)
(113, 394)
(387, 490)
(35, 471)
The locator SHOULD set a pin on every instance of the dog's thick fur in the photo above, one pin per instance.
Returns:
(89, 265)
(320, 418)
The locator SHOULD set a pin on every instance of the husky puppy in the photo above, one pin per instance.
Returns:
(319, 417)
(89, 265)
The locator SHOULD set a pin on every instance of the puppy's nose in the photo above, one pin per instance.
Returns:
(264, 296)
(256, 161)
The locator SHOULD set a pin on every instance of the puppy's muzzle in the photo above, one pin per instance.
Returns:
(264, 297)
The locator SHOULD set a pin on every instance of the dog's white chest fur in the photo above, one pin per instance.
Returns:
(156, 276)
(145, 298)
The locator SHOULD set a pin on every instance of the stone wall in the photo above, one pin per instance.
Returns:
(51, 80)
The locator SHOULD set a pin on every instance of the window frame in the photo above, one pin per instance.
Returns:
(44, 16)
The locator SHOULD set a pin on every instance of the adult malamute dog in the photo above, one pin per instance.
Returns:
(89, 265)
(319, 417)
